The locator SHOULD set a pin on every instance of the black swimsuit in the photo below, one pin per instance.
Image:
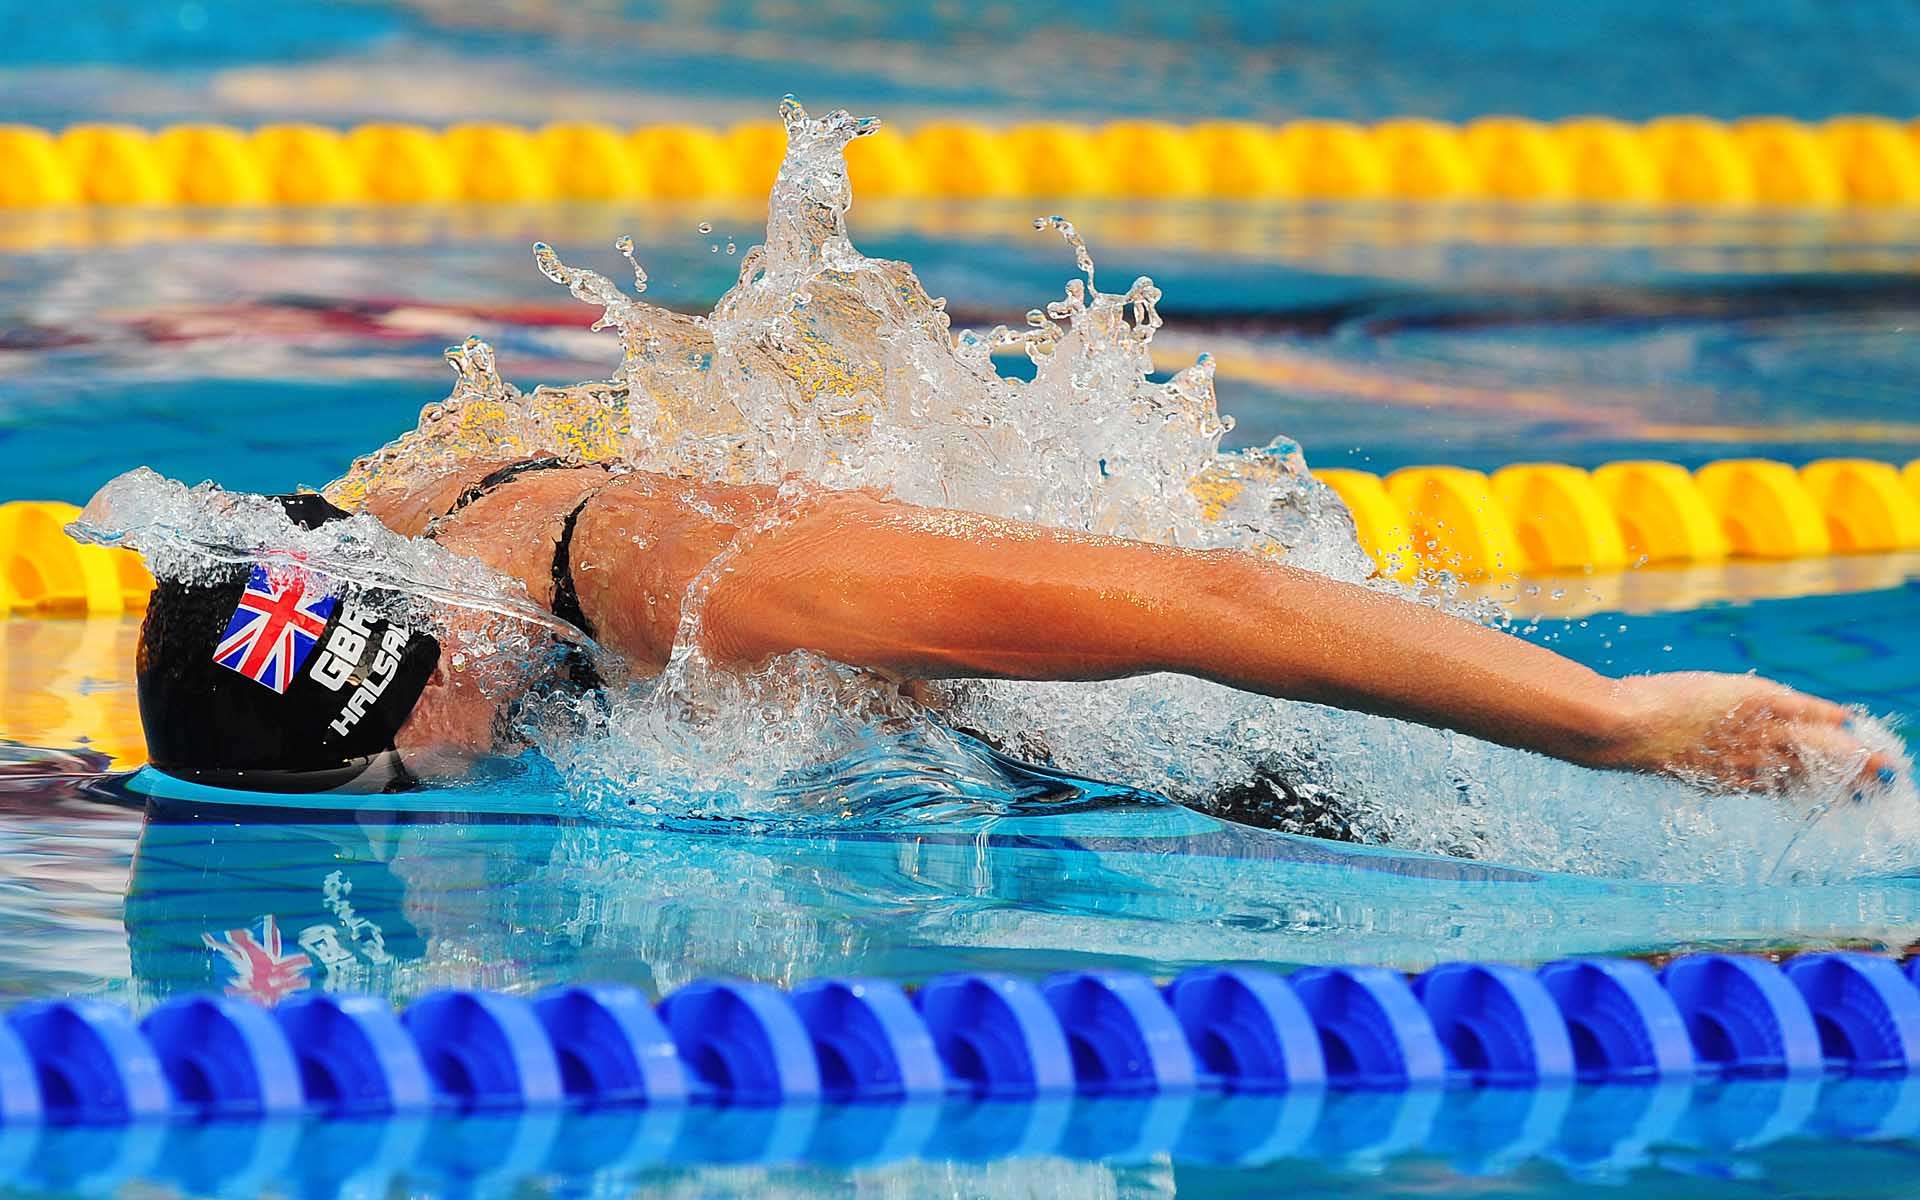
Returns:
(566, 596)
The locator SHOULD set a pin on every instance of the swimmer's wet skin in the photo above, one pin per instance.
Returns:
(915, 593)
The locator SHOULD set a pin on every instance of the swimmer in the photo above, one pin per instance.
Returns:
(251, 684)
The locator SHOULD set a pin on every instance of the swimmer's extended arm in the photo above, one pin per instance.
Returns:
(924, 593)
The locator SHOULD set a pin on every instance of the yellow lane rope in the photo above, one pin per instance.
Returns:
(1551, 519)
(1866, 161)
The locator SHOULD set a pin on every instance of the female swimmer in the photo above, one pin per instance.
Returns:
(909, 593)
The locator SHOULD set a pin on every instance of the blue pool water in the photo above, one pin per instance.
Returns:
(1374, 339)
(266, 350)
(259, 365)
(1365, 59)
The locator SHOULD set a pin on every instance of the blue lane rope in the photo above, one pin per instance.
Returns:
(1496, 1058)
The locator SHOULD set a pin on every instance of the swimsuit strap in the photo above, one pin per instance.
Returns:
(580, 670)
(499, 478)
(566, 597)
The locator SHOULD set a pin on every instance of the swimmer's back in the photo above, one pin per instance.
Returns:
(634, 542)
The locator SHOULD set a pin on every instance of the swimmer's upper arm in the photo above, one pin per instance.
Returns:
(928, 593)
(924, 593)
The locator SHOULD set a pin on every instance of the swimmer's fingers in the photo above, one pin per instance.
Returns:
(1881, 769)
(1763, 753)
(1812, 710)
(1877, 767)
(1821, 750)
(1829, 726)
(1767, 699)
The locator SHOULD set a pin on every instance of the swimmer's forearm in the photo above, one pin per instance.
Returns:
(1287, 632)
(930, 594)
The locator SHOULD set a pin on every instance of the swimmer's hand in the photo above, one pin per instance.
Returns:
(1736, 732)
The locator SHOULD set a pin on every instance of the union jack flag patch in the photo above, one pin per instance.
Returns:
(275, 627)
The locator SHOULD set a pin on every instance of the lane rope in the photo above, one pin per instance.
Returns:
(1534, 519)
(1851, 161)
(1589, 1062)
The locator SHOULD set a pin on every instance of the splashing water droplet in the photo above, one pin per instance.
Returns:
(1082, 257)
(550, 264)
(704, 227)
(624, 244)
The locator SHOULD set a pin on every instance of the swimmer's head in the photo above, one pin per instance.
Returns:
(277, 679)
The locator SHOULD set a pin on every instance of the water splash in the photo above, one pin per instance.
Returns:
(823, 368)
(825, 365)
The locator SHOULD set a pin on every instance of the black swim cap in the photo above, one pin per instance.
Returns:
(279, 679)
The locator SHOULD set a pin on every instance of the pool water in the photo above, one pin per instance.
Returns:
(1374, 342)
(1377, 336)
(1361, 60)
(1354, 1144)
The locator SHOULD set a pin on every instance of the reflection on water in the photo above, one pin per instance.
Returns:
(66, 685)
(266, 904)
(1720, 1140)
(216, 900)
(64, 865)
(369, 902)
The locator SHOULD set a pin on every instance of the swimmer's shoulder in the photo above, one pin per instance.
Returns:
(415, 510)
(409, 510)
(681, 501)
(661, 497)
